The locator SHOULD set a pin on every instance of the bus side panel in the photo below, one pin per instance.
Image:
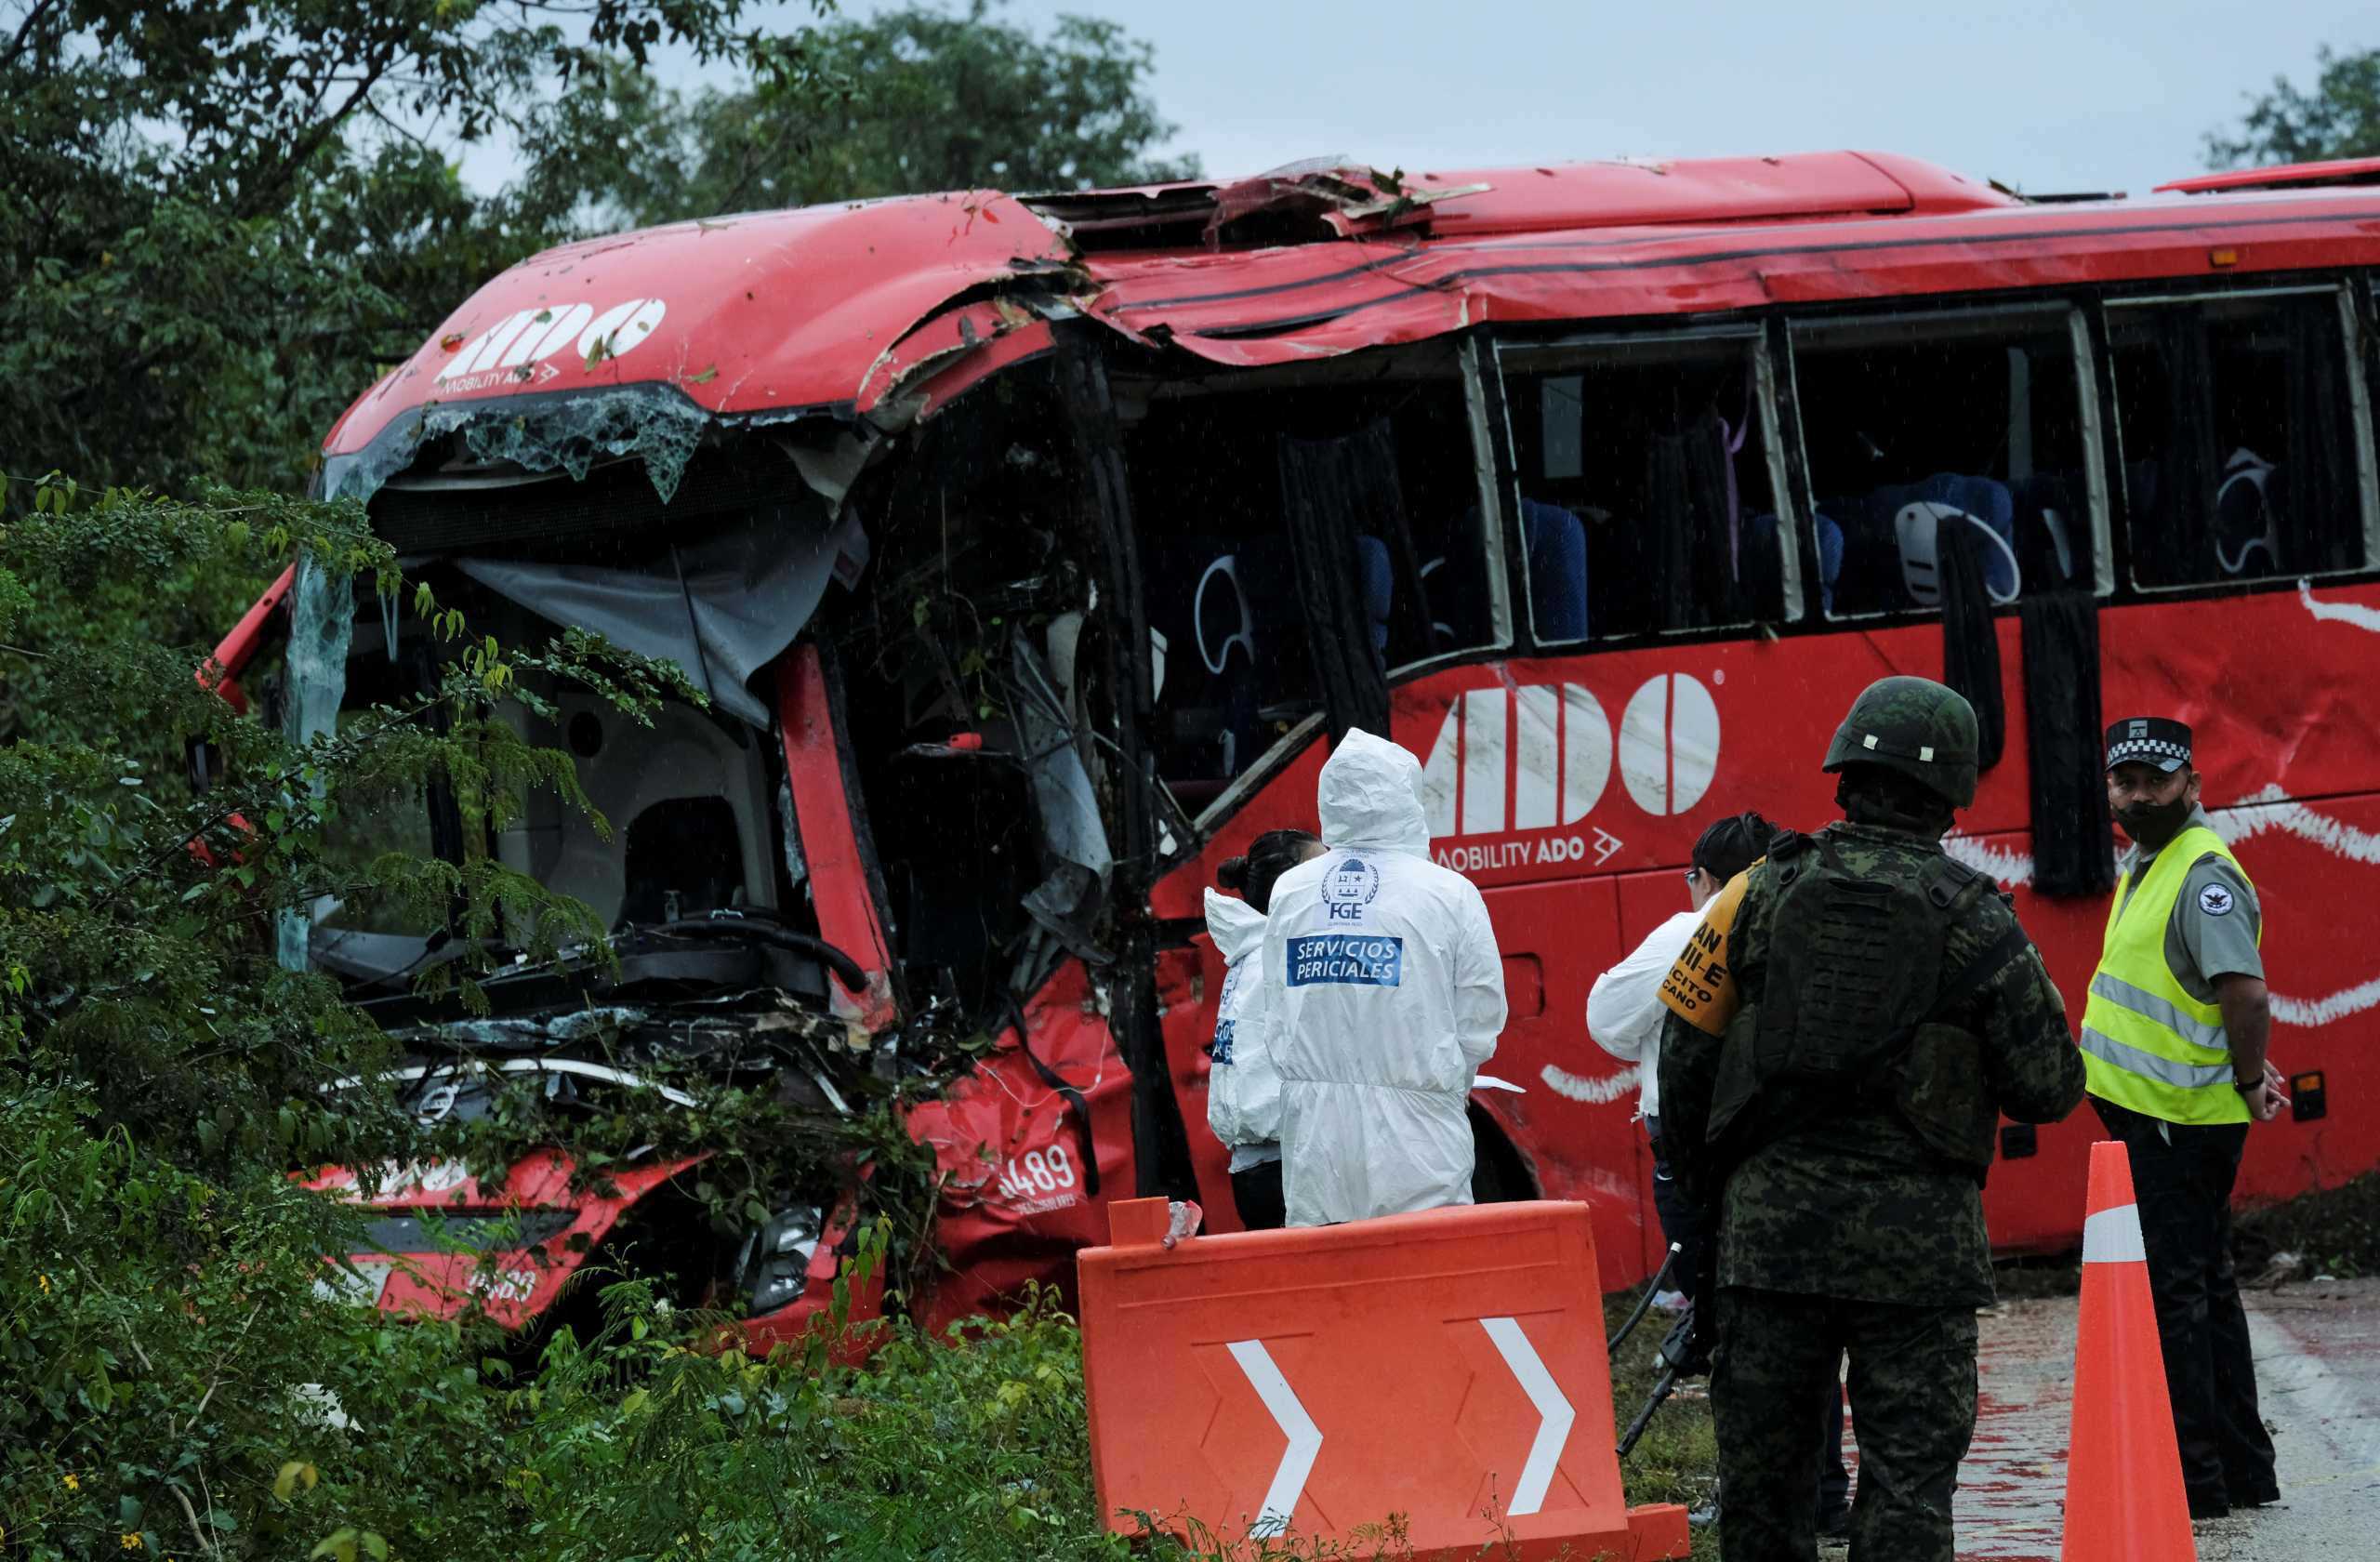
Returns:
(1547, 773)
(1572, 1122)
(2317, 872)
(2035, 1203)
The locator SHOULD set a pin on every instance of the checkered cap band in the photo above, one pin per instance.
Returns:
(2149, 740)
(2165, 756)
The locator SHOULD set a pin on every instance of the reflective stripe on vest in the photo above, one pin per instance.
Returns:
(2147, 1043)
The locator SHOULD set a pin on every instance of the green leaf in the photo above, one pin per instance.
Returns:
(339, 1544)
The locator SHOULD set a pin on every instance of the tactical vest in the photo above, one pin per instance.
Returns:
(1852, 1009)
(2147, 1043)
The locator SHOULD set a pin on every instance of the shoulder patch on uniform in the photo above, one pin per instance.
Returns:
(1700, 987)
(2217, 901)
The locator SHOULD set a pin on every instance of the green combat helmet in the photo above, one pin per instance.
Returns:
(1916, 726)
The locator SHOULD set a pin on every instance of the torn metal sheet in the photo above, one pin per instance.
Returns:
(1031, 1144)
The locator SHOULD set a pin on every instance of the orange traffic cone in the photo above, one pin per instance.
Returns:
(2124, 1501)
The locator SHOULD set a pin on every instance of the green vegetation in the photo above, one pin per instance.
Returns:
(2338, 117)
(1677, 1459)
(223, 220)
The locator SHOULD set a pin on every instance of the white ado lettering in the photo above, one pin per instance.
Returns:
(1541, 757)
(515, 348)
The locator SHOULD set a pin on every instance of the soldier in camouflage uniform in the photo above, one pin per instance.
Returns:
(1846, 1026)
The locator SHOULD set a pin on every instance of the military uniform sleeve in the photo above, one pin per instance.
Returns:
(2036, 1071)
(2217, 921)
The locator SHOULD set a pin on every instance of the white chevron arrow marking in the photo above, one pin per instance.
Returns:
(1305, 1439)
(1554, 1409)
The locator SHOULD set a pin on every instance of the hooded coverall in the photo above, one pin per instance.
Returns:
(1387, 995)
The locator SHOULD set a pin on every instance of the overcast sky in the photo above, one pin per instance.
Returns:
(2045, 95)
(2070, 95)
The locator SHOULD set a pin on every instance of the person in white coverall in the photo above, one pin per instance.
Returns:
(1243, 1088)
(1387, 994)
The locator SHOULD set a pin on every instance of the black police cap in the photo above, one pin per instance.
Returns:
(2155, 740)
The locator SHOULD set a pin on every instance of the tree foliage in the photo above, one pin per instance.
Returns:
(180, 1371)
(223, 219)
(2338, 117)
(914, 100)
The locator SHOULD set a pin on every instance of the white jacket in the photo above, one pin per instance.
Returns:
(1387, 995)
(1244, 1090)
(1624, 1009)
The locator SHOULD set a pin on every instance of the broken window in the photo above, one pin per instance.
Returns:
(1646, 485)
(1916, 422)
(1299, 539)
(2245, 436)
(971, 676)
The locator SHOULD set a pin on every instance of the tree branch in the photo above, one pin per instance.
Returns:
(33, 17)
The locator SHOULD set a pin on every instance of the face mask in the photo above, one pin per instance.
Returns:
(2153, 823)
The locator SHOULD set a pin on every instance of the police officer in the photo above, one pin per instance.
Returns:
(1845, 1028)
(2174, 1038)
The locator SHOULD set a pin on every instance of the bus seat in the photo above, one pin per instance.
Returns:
(1378, 582)
(2245, 515)
(2053, 542)
(1222, 625)
(1557, 570)
(1868, 579)
(1457, 582)
(1876, 569)
(1764, 564)
(1919, 525)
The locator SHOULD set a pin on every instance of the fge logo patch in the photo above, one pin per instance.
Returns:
(1348, 888)
(1347, 959)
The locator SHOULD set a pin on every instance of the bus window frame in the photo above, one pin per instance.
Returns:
(2090, 417)
(2360, 405)
(1483, 413)
(1767, 389)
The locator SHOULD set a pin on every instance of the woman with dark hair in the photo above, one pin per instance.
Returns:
(1244, 1090)
(1624, 1016)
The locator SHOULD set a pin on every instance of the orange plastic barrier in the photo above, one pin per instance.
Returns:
(2124, 1501)
(1444, 1369)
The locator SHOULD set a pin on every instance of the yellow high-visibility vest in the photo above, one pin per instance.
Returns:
(2147, 1043)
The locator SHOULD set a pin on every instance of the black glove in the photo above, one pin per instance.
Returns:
(1686, 1349)
(1702, 1320)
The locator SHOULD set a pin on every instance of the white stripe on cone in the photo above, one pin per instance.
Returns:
(2113, 1236)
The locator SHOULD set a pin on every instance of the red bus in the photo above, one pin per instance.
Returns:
(1032, 548)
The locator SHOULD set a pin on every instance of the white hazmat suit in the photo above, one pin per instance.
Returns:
(1244, 1090)
(1386, 992)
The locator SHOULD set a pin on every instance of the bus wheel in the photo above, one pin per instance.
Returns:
(1499, 1176)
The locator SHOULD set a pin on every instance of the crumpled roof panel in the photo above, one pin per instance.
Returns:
(893, 307)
